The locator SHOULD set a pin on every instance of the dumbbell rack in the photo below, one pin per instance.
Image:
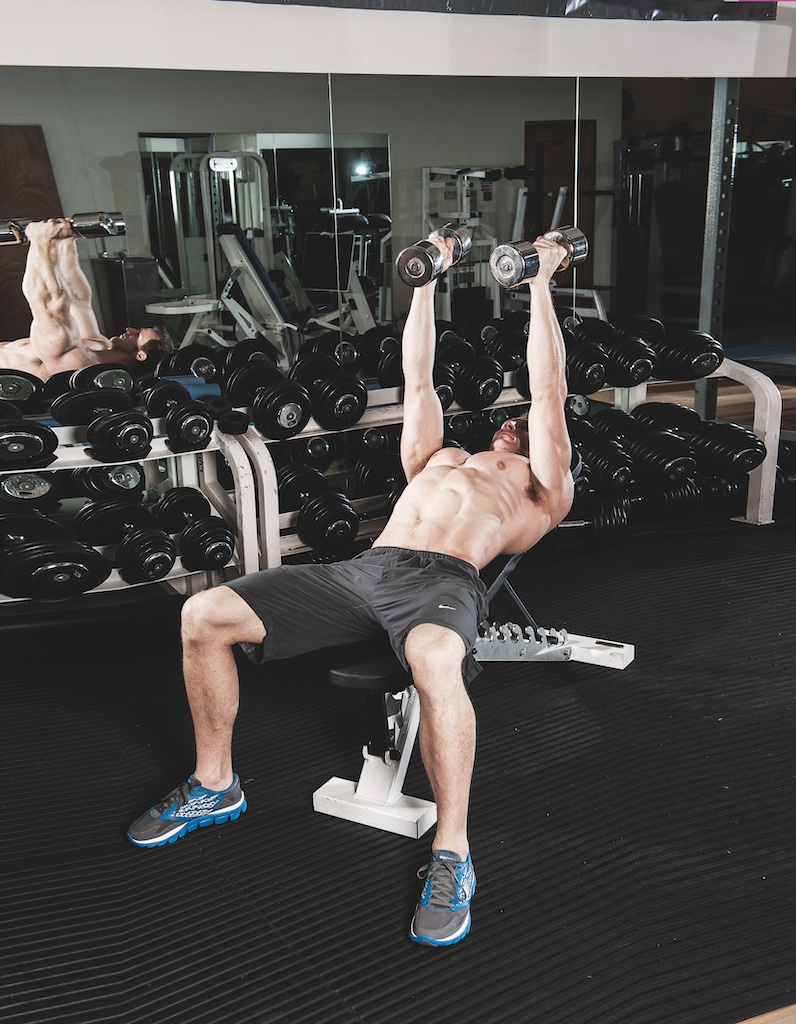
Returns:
(767, 425)
(191, 469)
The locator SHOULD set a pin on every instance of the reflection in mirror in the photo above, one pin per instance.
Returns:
(256, 222)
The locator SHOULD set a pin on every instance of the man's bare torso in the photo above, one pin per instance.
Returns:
(21, 355)
(474, 507)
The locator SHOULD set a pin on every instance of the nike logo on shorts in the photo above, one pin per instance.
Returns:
(448, 607)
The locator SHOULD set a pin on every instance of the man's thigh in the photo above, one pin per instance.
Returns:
(306, 608)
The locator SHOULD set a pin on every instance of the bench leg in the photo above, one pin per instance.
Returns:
(377, 798)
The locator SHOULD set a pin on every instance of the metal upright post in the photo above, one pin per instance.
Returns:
(721, 168)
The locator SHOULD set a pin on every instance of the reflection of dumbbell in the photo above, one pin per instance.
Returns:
(115, 430)
(206, 542)
(38, 561)
(86, 225)
(339, 399)
(27, 489)
(118, 483)
(423, 262)
(515, 262)
(24, 444)
(103, 375)
(326, 520)
(143, 553)
(23, 389)
(280, 407)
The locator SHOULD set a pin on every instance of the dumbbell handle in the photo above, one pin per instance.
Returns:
(85, 225)
(423, 262)
(515, 262)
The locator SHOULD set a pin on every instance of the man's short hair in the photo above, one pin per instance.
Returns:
(160, 347)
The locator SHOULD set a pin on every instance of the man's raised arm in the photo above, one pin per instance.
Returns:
(54, 332)
(423, 428)
(550, 449)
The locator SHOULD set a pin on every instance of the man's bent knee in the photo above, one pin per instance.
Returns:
(434, 652)
(220, 616)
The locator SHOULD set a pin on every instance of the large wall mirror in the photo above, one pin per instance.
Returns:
(329, 177)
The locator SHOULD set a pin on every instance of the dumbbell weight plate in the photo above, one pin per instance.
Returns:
(313, 368)
(282, 409)
(196, 360)
(328, 523)
(121, 483)
(55, 385)
(23, 389)
(178, 507)
(145, 556)
(250, 350)
(298, 484)
(479, 383)
(52, 571)
(78, 408)
(27, 528)
(389, 371)
(165, 396)
(339, 401)
(108, 522)
(189, 428)
(206, 544)
(112, 376)
(9, 411)
(234, 422)
(246, 380)
(25, 444)
(29, 490)
(120, 436)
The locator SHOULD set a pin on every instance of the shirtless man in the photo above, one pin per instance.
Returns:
(419, 581)
(64, 334)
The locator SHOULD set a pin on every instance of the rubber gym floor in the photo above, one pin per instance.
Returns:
(633, 832)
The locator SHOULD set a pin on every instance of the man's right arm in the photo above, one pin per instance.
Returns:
(423, 429)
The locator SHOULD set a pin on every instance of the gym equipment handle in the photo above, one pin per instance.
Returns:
(85, 225)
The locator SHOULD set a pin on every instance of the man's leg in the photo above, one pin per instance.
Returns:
(54, 331)
(447, 745)
(77, 283)
(212, 622)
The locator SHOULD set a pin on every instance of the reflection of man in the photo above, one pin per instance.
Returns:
(419, 582)
(64, 334)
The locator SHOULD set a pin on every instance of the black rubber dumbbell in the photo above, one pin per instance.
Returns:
(326, 520)
(205, 540)
(143, 553)
(38, 560)
(280, 408)
(24, 444)
(339, 399)
(115, 431)
(23, 389)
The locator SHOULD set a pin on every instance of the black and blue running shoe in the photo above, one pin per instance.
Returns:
(186, 808)
(442, 917)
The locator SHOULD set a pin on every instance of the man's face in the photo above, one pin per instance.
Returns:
(132, 341)
(512, 437)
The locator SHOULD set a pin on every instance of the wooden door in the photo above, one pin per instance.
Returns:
(27, 190)
(550, 155)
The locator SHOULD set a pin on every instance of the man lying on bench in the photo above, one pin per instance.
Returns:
(419, 582)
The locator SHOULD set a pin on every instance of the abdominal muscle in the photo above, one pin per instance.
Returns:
(472, 507)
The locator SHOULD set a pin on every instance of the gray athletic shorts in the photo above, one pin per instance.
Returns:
(309, 607)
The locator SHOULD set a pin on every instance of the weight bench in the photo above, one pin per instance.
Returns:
(393, 707)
